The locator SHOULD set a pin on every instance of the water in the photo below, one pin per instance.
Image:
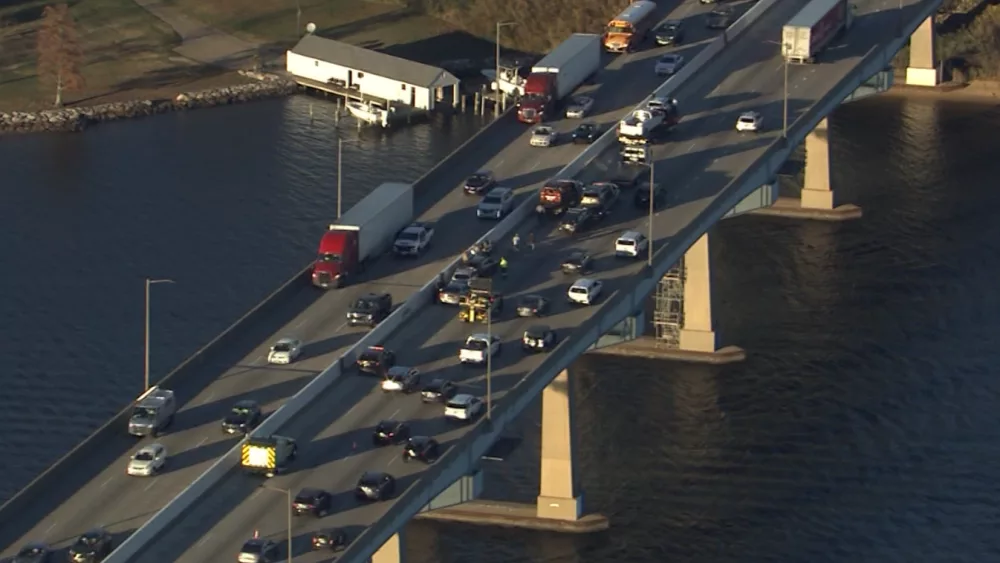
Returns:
(227, 203)
(861, 427)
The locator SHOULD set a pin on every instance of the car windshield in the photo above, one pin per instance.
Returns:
(363, 305)
(534, 333)
(531, 301)
(283, 347)
(90, 539)
(329, 258)
(144, 456)
(626, 242)
(396, 374)
(252, 547)
(668, 59)
(543, 131)
(240, 410)
(143, 412)
(669, 28)
(408, 235)
(746, 119)
(574, 214)
(478, 179)
(585, 128)
(371, 354)
(456, 405)
(578, 290)
(575, 258)
(475, 344)
(491, 199)
(454, 288)
(461, 276)
(580, 101)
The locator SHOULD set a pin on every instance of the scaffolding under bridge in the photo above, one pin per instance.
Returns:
(668, 307)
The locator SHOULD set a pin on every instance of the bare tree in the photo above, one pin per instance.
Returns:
(59, 55)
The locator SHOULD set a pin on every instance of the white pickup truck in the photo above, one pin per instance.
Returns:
(477, 347)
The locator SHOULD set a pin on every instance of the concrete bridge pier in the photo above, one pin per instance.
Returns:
(924, 69)
(392, 551)
(559, 495)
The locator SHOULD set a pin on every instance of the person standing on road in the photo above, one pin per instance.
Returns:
(503, 266)
(531, 240)
(516, 241)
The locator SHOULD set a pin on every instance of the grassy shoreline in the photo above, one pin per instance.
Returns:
(130, 53)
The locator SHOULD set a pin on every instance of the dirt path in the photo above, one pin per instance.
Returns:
(201, 42)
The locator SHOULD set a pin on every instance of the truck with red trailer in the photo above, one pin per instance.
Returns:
(362, 234)
(557, 75)
(813, 28)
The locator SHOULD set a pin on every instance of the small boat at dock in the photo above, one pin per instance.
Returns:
(371, 113)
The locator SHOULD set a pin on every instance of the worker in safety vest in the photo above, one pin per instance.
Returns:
(503, 266)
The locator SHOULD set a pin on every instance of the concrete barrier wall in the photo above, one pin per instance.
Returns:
(425, 296)
(12, 512)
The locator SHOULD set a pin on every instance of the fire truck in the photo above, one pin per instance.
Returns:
(480, 303)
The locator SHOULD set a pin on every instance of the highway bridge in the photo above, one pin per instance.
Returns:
(710, 169)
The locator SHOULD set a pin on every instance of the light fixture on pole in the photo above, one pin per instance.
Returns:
(499, 92)
(652, 184)
(340, 160)
(489, 354)
(288, 493)
(784, 104)
(298, 18)
(149, 282)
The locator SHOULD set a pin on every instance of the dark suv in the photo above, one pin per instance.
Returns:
(370, 309)
(312, 501)
(91, 547)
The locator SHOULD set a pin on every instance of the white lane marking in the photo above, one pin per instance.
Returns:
(104, 484)
(49, 529)
(204, 539)
(535, 165)
(203, 440)
(257, 359)
(393, 415)
(391, 461)
(209, 397)
(151, 484)
(299, 324)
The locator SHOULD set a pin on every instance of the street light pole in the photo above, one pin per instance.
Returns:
(340, 159)
(298, 18)
(496, 104)
(784, 106)
(145, 372)
(489, 353)
(649, 247)
(288, 493)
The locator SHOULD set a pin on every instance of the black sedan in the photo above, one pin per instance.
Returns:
(438, 391)
(422, 448)
(720, 18)
(331, 538)
(33, 553)
(312, 501)
(242, 418)
(578, 262)
(532, 306)
(376, 360)
(390, 432)
(452, 293)
(91, 547)
(485, 266)
(641, 197)
(479, 183)
(577, 220)
(670, 32)
(538, 338)
(375, 486)
(586, 133)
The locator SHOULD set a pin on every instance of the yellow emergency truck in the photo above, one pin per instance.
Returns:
(268, 455)
(480, 298)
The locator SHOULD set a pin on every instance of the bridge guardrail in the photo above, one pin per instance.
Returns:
(451, 466)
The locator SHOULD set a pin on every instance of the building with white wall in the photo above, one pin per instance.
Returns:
(370, 73)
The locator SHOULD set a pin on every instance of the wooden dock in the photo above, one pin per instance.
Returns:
(402, 112)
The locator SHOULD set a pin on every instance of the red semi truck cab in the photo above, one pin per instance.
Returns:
(539, 90)
(337, 259)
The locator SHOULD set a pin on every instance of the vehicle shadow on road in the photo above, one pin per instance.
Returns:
(330, 449)
(199, 454)
(333, 344)
(302, 543)
(213, 412)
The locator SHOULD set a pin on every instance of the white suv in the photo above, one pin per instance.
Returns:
(749, 122)
(463, 408)
(631, 244)
(585, 291)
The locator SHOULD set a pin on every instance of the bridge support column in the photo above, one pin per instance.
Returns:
(697, 333)
(816, 190)
(559, 496)
(392, 551)
(924, 69)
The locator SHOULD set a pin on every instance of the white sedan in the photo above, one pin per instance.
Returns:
(749, 122)
(669, 64)
(579, 107)
(285, 351)
(477, 347)
(149, 460)
(543, 136)
(585, 291)
(463, 408)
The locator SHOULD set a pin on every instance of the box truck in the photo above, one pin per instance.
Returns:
(813, 28)
(362, 234)
(557, 75)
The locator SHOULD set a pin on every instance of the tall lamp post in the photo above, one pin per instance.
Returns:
(288, 493)
(496, 104)
(652, 193)
(149, 282)
(489, 352)
(298, 18)
(340, 160)
(784, 103)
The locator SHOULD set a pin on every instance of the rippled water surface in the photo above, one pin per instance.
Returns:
(861, 428)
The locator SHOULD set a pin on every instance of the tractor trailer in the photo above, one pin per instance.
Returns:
(362, 234)
(813, 28)
(557, 75)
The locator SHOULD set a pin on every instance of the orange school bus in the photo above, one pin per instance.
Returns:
(629, 28)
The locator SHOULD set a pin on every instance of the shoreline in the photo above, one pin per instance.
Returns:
(267, 86)
(78, 118)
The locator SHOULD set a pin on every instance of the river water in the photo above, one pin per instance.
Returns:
(862, 426)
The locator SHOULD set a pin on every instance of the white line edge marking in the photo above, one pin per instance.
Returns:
(105, 483)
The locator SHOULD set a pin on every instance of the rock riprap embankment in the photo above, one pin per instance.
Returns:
(78, 118)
